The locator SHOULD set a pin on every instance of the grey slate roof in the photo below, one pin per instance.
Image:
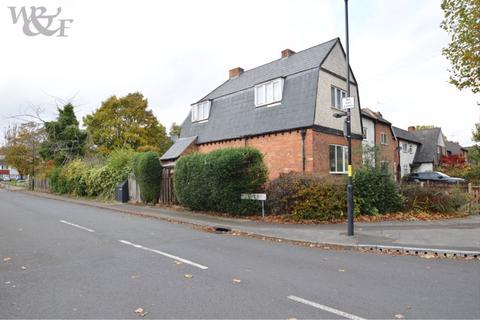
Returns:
(233, 113)
(300, 61)
(405, 135)
(178, 148)
(427, 151)
(366, 112)
(454, 147)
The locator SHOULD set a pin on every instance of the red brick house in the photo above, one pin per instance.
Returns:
(378, 132)
(283, 108)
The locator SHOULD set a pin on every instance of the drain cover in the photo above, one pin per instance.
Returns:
(220, 229)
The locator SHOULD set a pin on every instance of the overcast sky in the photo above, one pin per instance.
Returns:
(175, 52)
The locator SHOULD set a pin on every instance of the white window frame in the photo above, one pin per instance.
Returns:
(345, 159)
(269, 92)
(336, 95)
(383, 138)
(201, 111)
(410, 148)
(404, 147)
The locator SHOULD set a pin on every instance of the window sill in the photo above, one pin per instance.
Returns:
(338, 109)
(273, 104)
(338, 173)
(200, 121)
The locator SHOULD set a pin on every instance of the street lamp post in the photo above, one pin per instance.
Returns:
(350, 228)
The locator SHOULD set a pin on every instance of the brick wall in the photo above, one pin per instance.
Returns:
(321, 144)
(282, 151)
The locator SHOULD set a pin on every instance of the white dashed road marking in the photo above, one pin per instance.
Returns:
(325, 308)
(77, 226)
(168, 255)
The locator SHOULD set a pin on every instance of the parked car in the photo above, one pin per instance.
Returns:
(433, 176)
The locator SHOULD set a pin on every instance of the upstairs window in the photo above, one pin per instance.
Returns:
(405, 147)
(269, 92)
(336, 96)
(383, 138)
(201, 111)
(365, 133)
(410, 148)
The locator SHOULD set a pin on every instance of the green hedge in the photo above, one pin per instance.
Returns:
(433, 199)
(215, 181)
(306, 197)
(148, 173)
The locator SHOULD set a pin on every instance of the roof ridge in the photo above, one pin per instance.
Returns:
(296, 52)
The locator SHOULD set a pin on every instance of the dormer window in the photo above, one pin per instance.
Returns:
(269, 92)
(201, 111)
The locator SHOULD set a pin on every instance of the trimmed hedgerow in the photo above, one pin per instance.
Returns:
(306, 197)
(215, 181)
(148, 173)
(432, 199)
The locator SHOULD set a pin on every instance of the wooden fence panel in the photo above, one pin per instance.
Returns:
(134, 190)
(167, 192)
(41, 184)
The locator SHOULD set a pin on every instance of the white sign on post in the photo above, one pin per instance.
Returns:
(256, 196)
(348, 103)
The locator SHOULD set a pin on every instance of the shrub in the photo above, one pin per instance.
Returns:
(432, 199)
(376, 191)
(81, 178)
(306, 196)
(148, 173)
(215, 181)
(57, 181)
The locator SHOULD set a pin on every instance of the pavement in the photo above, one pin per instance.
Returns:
(452, 236)
(64, 260)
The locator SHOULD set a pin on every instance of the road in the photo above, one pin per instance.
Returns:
(64, 260)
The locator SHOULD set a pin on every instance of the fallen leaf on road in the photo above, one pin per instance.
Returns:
(237, 280)
(8, 282)
(140, 312)
(399, 316)
(177, 262)
(7, 259)
(23, 268)
(292, 318)
(428, 256)
(135, 276)
(341, 270)
(428, 267)
(188, 276)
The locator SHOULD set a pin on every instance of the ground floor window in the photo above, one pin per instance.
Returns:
(338, 158)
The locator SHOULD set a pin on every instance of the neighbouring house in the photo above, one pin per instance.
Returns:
(6, 171)
(379, 141)
(420, 150)
(285, 109)
(431, 149)
(407, 145)
(455, 149)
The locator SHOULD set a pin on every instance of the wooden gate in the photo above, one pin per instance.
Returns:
(167, 193)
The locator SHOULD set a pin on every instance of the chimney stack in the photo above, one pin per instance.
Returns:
(235, 72)
(287, 53)
(411, 128)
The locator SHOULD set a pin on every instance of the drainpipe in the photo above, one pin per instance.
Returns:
(303, 132)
